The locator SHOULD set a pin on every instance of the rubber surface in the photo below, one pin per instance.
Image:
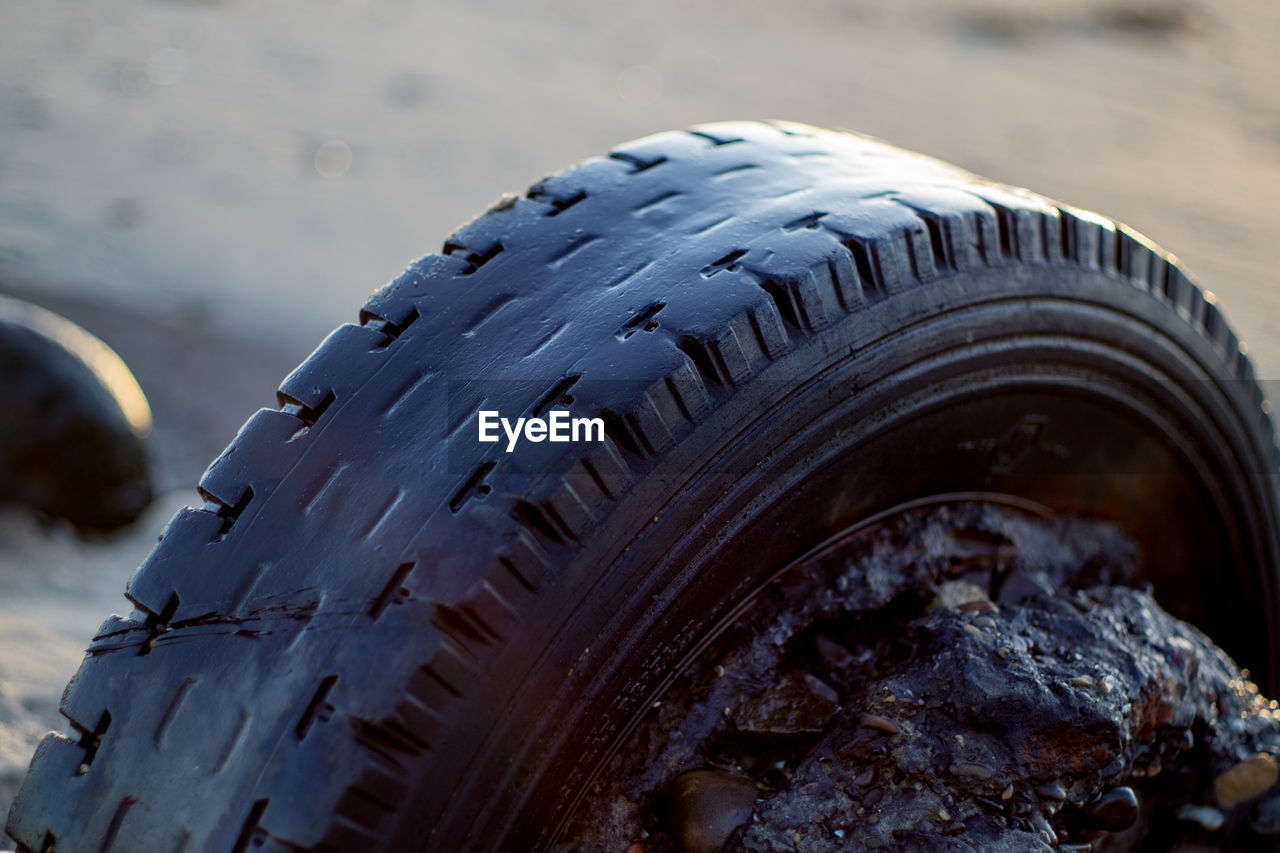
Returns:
(379, 634)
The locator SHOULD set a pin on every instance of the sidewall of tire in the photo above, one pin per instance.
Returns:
(909, 398)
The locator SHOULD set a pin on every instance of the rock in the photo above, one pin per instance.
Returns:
(706, 806)
(1116, 810)
(954, 594)
(1052, 791)
(969, 770)
(790, 708)
(818, 687)
(72, 420)
(875, 721)
(1265, 819)
(836, 655)
(1019, 587)
(1246, 780)
(1207, 817)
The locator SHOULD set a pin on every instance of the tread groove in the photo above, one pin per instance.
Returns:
(474, 485)
(638, 164)
(117, 820)
(559, 393)
(313, 707)
(250, 826)
(392, 591)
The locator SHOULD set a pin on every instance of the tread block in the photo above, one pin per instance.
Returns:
(343, 362)
(263, 451)
(182, 545)
(49, 794)
(651, 151)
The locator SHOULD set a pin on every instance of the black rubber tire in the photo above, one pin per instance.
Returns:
(380, 634)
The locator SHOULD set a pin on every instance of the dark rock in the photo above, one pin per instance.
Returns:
(706, 806)
(71, 423)
(1027, 731)
(790, 708)
(1245, 780)
(1019, 587)
(1115, 810)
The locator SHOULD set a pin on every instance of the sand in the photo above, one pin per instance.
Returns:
(212, 185)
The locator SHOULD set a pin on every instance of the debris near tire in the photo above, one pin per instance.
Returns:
(72, 423)
(961, 678)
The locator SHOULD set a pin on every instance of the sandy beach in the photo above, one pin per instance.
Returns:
(210, 186)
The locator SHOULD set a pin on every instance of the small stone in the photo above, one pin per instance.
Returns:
(1004, 652)
(953, 594)
(970, 770)
(1019, 587)
(1205, 816)
(1007, 794)
(788, 708)
(818, 687)
(973, 629)
(1115, 810)
(865, 777)
(836, 655)
(875, 721)
(944, 815)
(985, 622)
(1265, 819)
(637, 847)
(706, 806)
(1246, 780)
(1041, 826)
(1082, 681)
(984, 606)
(1052, 791)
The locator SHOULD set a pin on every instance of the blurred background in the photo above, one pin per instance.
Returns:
(212, 185)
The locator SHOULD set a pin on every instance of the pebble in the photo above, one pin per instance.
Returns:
(875, 721)
(707, 806)
(1019, 587)
(818, 687)
(1053, 791)
(1265, 819)
(1040, 825)
(953, 594)
(788, 708)
(1082, 681)
(1206, 817)
(634, 848)
(984, 606)
(985, 622)
(1115, 810)
(1007, 793)
(973, 629)
(1246, 780)
(836, 655)
(969, 770)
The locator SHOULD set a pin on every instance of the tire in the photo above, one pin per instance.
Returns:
(380, 634)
